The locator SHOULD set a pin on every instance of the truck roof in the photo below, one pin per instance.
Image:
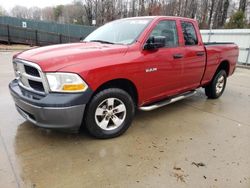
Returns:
(158, 17)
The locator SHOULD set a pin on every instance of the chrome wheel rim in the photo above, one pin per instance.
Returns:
(220, 84)
(110, 114)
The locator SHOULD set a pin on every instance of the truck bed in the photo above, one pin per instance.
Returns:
(217, 52)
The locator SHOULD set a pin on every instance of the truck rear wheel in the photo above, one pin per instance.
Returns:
(217, 86)
(109, 113)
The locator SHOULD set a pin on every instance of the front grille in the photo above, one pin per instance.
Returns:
(31, 71)
(36, 85)
(30, 76)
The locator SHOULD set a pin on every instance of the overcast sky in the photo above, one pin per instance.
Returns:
(8, 4)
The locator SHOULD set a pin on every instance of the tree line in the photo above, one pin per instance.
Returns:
(208, 13)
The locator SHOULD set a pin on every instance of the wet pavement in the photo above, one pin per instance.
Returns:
(192, 143)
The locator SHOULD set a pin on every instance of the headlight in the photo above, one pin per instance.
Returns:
(65, 82)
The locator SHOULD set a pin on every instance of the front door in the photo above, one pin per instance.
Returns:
(163, 67)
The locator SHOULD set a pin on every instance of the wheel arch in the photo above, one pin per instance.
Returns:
(224, 65)
(121, 83)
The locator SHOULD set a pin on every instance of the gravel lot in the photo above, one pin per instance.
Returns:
(193, 143)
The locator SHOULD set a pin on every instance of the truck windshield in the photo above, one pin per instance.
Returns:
(124, 31)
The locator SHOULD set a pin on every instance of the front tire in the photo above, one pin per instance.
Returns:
(217, 86)
(109, 113)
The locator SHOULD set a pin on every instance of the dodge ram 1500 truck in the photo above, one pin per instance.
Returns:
(128, 64)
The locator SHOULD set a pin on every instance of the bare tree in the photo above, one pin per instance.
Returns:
(242, 5)
(74, 13)
(204, 14)
(88, 6)
(185, 8)
(217, 14)
(19, 11)
(47, 13)
(225, 11)
(35, 13)
(211, 12)
(142, 7)
(58, 11)
(207, 12)
(133, 8)
(3, 12)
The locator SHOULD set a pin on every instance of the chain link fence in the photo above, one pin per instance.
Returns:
(18, 35)
(40, 33)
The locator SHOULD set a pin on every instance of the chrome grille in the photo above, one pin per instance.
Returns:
(30, 76)
(31, 71)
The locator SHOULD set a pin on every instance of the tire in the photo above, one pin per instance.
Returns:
(217, 86)
(104, 119)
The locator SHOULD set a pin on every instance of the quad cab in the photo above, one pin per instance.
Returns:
(134, 63)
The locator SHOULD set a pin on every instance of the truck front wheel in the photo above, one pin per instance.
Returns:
(217, 86)
(109, 113)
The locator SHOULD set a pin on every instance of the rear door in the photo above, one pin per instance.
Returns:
(194, 57)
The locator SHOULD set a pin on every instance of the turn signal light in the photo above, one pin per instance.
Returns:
(73, 87)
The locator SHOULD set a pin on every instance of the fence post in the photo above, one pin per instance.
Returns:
(60, 38)
(8, 33)
(248, 56)
(209, 34)
(36, 33)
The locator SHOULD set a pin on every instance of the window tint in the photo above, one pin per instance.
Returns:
(167, 29)
(189, 33)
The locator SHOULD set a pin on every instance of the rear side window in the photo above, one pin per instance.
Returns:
(189, 34)
(167, 28)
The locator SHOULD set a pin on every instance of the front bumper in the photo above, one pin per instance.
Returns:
(54, 110)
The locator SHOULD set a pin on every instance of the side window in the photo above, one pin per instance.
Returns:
(167, 29)
(189, 34)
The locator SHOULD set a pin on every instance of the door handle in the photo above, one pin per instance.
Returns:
(200, 53)
(177, 56)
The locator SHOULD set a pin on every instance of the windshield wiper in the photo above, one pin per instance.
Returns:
(102, 41)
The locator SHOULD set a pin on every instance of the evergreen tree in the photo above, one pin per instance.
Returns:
(237, 21)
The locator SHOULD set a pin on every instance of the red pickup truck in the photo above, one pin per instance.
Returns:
(128, 64)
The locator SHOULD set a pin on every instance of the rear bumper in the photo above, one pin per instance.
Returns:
(55, 111)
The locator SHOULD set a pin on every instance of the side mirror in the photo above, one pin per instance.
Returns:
(155, 42)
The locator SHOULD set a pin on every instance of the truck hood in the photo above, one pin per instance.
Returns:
(55, 57)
